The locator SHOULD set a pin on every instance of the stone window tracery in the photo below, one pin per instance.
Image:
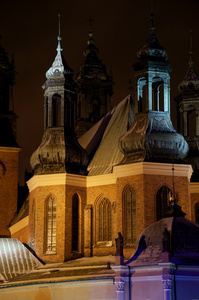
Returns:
(129, 215)
(50, 225)
(103, 220)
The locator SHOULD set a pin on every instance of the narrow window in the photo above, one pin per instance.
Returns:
(129, 215)
(51, 225)
(104, 210)
(75, 222)
(56, 110)
(163, 197)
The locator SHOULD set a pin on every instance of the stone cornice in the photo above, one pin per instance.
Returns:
(10, 149)
(19, 225)
(107, 179)
(152, 169)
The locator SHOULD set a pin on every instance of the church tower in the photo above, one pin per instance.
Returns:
(188, 113)
(94, 89)
(9, 150)
(188, 123)
(152, 147)
(57, 163)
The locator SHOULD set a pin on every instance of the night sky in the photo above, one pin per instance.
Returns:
(29, 30)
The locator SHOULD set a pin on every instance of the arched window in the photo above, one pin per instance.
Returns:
(129, 215)
(75, 222)
(33, 219)
(103, 211)
(197, 213)
(50, 225)
(163, 197)
(56, 110)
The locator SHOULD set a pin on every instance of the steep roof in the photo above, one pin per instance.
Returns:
(106, 134)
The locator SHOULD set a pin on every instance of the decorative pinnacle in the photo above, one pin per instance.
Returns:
(59, 38)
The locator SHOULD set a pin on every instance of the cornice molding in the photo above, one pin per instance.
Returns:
(10, 149)
(107, 179)
(152, 169)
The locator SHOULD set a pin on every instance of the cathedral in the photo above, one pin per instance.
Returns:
(101, 170)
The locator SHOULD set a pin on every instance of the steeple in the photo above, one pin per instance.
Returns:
(152, 136)
(94, 88)
(59, 150)
(188, 112)
(190, 84)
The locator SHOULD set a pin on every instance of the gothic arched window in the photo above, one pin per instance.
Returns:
(103, 218)
(197, 213)
(50, 220)
(163, 197)
(56, 110)
(129, 215)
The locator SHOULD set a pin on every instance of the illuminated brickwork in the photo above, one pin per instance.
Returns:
(9, 165)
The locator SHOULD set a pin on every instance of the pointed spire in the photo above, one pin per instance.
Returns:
(91, 48)
(191, 80)
(57, 65)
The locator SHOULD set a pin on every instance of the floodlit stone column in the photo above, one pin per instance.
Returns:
(120, 289)
(168, 284)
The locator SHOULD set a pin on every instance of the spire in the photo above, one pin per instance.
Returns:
(191, 80)
(57, 65)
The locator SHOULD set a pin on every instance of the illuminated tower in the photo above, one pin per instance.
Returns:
(188, 113)
(152, 136)
(152, 145)
(94, 89)
(9, 150)
(56, 163)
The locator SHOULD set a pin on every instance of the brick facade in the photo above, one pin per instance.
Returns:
(9, 161)
(90, 194)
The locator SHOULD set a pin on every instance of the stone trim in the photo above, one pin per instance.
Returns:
(107, 179)
(10, 149)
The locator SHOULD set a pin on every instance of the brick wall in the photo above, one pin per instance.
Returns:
(8, 189)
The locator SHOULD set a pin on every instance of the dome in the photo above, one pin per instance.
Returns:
(152, 48)
(58, 153)
(152, 137)
(172, 239)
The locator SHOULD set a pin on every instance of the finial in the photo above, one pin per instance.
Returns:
(191, 50)
(59, 17)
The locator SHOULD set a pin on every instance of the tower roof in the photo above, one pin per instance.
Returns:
(7, 68)
(92, 66)
(59, 66)
(152, 49)
(190, 84)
